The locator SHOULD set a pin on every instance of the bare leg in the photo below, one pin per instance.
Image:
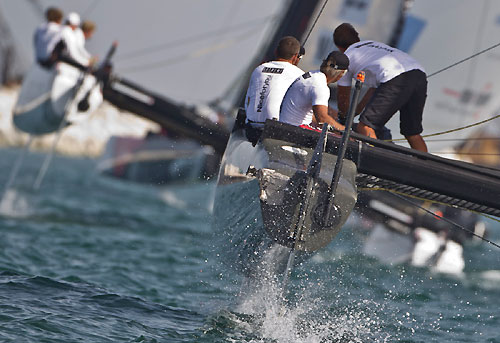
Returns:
(417, 142)
(366, 130)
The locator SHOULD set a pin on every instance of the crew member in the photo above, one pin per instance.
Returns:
(306, 101)
(397, 83)
(269, 83)
(46, 37)
(70, 35)
(84, 33)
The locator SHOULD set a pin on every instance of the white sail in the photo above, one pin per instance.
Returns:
(373, 19)
(440, 33)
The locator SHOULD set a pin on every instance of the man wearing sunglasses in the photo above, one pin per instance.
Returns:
(306, 101)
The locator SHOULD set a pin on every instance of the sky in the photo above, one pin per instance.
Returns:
(190, 51)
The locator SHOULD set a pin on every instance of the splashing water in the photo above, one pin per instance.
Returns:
(307, 316)
(14, 204)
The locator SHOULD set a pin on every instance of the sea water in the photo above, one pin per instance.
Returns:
(92, 259)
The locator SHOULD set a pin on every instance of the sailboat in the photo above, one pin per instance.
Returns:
(282, 196)
(50, 96)
(458, 97)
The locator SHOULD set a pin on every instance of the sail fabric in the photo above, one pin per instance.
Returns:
(374, 20)
(439, 34)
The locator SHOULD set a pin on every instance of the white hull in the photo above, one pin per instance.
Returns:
(46, 95)
(155, 159)
(424, 248)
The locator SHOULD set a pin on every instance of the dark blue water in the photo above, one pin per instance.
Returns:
(92, 259)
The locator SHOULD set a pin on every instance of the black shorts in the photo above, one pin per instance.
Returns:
(405, 93)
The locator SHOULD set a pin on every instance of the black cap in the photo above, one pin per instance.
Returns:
(338, 60)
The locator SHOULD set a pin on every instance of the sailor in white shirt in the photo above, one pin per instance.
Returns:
(397, 83)
(270, 81)
(74, 40)
(46, 37)
(306, 101)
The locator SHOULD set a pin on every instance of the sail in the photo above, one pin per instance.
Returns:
(373, 19)
(440, 33)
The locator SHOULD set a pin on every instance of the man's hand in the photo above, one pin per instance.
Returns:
(321, 114)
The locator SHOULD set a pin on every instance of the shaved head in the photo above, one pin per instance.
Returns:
(287, 47)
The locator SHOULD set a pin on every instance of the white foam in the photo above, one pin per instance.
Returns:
(14, 204)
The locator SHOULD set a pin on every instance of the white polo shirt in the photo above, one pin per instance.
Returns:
(307, 91)
(379, 61)
(73, 45)
(268, 85)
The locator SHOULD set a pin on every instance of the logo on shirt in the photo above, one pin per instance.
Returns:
(373, 45)
(272, 70)
(263, 93)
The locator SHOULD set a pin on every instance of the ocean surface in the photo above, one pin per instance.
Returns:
(91, 259)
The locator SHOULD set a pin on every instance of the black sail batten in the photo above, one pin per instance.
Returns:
(408, 172)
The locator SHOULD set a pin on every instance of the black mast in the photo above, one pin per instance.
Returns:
(295, 22)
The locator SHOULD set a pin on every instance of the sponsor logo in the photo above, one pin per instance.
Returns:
(306, 75)
(272, 70)
(375, 46)
(263, 93)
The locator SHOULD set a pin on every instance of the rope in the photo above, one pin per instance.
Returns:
(446, 220)
(449, 131)
(369, 182)
(464, 60)
(440, 71)
(314, 24)
(90, 8)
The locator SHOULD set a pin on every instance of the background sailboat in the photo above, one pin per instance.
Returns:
(437, 35)
(440, 34)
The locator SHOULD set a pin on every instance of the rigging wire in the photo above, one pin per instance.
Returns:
(227, 21)
(466, 153)
(90, 8)
(390, 190)
(464, 139)
(192, 54)
(445, 219)
(189, 40)
(464, 60)
(449, 131)
(314, 24)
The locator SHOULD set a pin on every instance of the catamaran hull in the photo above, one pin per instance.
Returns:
(261, 195)
(157, 160)
(47, 94)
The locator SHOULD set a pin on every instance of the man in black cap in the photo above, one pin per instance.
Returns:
(306, 101)
(397, 83)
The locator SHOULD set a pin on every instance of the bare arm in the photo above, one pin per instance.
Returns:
(364, 101)
(343, 95)
(321, 116)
